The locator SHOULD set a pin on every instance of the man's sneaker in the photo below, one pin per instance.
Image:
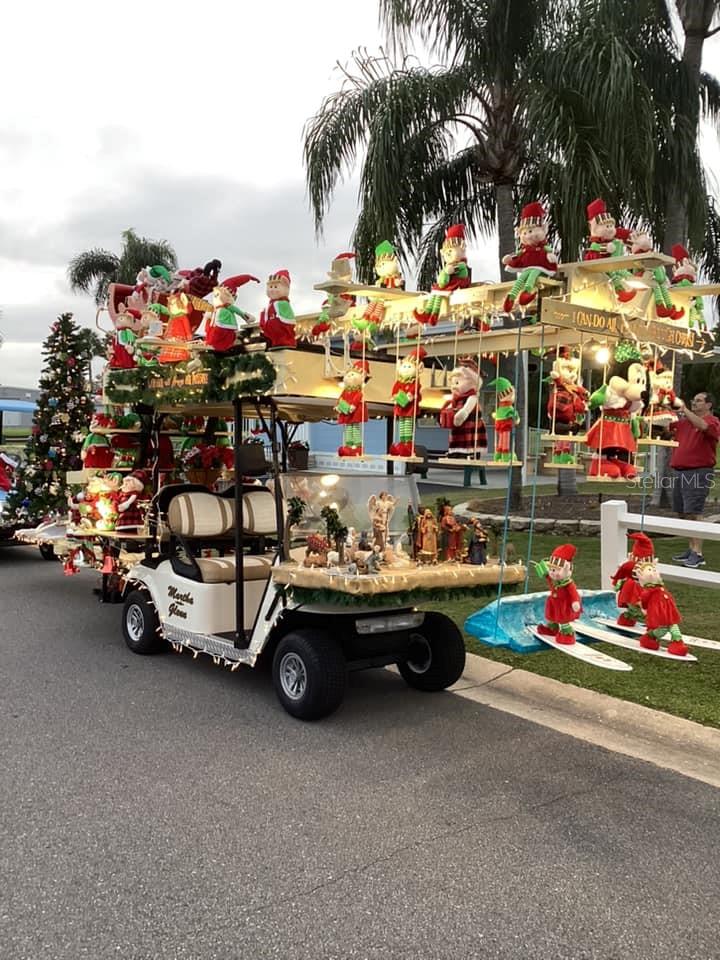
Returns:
(694, 560)
(679, 557)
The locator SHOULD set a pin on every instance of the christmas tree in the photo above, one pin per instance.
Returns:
(60, 422)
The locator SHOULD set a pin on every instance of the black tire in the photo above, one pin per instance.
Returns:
(436, 654)
(140, 624)
(47, 551)
(309, 674)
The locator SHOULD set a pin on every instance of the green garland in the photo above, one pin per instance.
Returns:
(305, 595)
(247, 374)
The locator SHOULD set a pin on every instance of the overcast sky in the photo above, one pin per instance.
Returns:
(181, 120)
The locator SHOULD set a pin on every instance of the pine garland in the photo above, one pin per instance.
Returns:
(337, 598)
(60, 422)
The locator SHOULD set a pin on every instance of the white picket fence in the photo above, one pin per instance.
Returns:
(616, 523)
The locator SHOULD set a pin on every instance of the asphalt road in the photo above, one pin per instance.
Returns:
(155, 808)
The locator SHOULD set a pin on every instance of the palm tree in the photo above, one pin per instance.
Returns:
(94, 270)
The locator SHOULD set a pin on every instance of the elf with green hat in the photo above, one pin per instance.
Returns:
(388, 277)
(506, 417)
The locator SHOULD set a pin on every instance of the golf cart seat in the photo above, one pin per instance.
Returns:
(198, 519)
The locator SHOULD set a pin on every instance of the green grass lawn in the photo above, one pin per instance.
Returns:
(687, 690)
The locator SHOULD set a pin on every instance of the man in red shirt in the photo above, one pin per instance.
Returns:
(693, 461)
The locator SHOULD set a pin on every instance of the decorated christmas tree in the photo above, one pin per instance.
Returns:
(60, 422)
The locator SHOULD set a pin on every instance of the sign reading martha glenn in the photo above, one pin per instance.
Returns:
(605, 323)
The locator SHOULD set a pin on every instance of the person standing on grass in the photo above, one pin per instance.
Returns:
(693, 460)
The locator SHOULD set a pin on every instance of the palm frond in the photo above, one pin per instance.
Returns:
(92, 271)
(139, 252)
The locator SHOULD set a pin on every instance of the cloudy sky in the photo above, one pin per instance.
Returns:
(181, 120)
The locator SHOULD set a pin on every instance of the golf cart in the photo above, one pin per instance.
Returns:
(194, 594)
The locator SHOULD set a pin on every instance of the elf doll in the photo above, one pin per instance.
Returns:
(337, 304)
(277, 320)
(388, 277)
(352, 409)
(533, 258)
(454, 274)
(629, 591)
(506, 417)
(685, 275)
(563, 604)
(661, 615)
(221, 329)
(607, 240)
(129, 325)
(406, 395)
(461, 414)
(641, 242)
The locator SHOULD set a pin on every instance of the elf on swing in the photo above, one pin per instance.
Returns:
(607, 240)
(406, 395)
(629, 591)
(534, 257)
(454, 274)
(352, 409)
(563, 604)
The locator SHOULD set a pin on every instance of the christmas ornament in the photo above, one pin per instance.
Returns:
(505, 417)
(607, 240)
(352, 409)
(406, 395)
(222, 327)
(533, 258)
(614, 434)
(461, 413)
(277, 320)
(563, 604)
(454, 274)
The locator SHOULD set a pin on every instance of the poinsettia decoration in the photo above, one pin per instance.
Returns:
(207, 457)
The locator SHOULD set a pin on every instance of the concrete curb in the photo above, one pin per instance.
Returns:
(659, 738)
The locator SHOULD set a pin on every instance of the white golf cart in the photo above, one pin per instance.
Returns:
(234, 612)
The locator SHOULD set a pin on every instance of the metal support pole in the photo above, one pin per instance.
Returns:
(389, 437)
(240, 635)
(279, 511)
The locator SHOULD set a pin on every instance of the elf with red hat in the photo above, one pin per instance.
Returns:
(607, 240)
(661, 614)
(277, 321)
(222, 327)
(129, 325)
(685, 275)
(629, 591)
(533, 257)
(352, 409)
(563, 604)
(454, 274)
(406, 395)
(656, 278)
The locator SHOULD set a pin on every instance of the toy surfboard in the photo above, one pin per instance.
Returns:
(582, 652)
(628, 643)
(638, 629)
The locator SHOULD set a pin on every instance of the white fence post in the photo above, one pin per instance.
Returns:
(613, 540)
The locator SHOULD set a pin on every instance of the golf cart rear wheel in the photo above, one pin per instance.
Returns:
(47, 551)
(140, 624)
(309, 674)
(435, 656)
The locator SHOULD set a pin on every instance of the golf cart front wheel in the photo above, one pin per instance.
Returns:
(435, 654)
(47, 551)
(309, 674)
(140, 624)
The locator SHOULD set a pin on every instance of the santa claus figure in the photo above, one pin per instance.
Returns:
(656, 278)
(607, 240)
(533, 258)
(563, 604)
(685, 275)
(352, 409)
(454, 274)
(222, 327)
(130, 515)
(406, 396)
(661, 615)
(505, 417)
(277, 320)
(629, 591)
(567, 403)
(461, 414)
(614, 435)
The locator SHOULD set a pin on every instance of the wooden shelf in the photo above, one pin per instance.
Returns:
(372, 293)
(646, 261)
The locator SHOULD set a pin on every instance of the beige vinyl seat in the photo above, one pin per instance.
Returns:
(199, 518)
